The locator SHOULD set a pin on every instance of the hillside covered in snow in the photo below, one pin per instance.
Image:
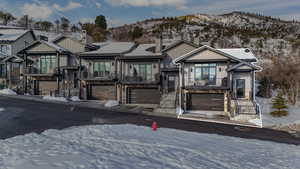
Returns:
(130, 147)
(268, 37)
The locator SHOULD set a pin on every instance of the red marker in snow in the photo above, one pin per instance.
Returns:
(154, 126)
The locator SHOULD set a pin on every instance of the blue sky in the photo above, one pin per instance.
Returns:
(119, 12)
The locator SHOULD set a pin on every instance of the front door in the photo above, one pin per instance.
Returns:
(171, 83)
(240, 88)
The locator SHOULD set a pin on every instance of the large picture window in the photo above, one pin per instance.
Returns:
(102, 69)
(206, 72)
(143, 70)
(47, 63)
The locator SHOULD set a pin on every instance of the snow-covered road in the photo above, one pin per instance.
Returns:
(129, 146)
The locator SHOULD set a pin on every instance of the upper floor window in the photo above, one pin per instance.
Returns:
(2, 70)
(102, 68)
(142, 70)
(206, 72)
(47, 63)
(4, 49)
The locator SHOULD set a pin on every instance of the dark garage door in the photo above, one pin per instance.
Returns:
(212, 102)
(104, 92)
(144, 96)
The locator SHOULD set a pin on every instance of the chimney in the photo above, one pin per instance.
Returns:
(26, 21)
(158, 43)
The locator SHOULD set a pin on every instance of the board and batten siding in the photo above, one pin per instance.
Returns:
(72, 45)
(20, 43)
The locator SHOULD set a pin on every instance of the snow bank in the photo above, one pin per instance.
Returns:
(256, 121)
(135, 147)
(61, 99)
(268, 120)
(111, 103)
(75, 99)
(8, 92)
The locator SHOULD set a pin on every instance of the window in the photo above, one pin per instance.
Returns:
(102, 69)
(206, 72)
(2, 70)
(4, 49)
(142, 70)
(47, 63)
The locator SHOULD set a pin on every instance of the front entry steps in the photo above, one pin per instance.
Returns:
(167, 104)
(246, 107)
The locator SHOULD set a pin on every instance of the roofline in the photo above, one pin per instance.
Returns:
(40, 41)
(11, 41)
(178, 43)
(212, 49)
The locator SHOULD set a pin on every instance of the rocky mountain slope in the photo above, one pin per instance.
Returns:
(268, 37)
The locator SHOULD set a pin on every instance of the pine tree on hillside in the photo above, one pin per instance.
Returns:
(279, 103)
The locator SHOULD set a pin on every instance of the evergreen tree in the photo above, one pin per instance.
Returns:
(100, 21)
(279, 103)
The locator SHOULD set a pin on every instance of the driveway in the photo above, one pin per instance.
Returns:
(19, 116)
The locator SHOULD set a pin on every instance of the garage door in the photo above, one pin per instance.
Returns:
(144, 96)
(103, 92)
(212, 102)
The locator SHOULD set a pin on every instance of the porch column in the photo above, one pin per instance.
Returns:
(58, 72)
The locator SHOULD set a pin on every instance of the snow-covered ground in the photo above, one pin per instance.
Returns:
(130, 147)
(268, 120)
(7, 92)
(60, 99)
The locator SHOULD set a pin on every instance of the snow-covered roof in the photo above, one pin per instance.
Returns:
(56, 47)
(112, 48)
(144, 50)
(240, 53)
(11, 34)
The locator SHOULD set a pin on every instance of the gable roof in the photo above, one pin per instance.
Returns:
(143, 50)
(49, 44)
(225, 52)
(11, 35)
(241, 53)
(205, 47)
(177, 43)
(111, 48)
(87, 45)
(255, 67)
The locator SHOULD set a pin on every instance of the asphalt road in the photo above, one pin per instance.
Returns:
(18, 117)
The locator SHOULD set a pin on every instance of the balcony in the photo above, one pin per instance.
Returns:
(35, 71)
(217, 83)
(131, 79)
(101, 76)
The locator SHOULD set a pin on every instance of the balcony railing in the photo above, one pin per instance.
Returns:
(141, 79)
(217, 82)
(98, 76)
(37, 71)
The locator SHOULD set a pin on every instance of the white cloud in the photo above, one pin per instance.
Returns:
(87, 20)
(37, 11)
(98, 5)
(179, 4)
(71, 5)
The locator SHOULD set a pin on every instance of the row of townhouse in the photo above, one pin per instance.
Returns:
(181, 74)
